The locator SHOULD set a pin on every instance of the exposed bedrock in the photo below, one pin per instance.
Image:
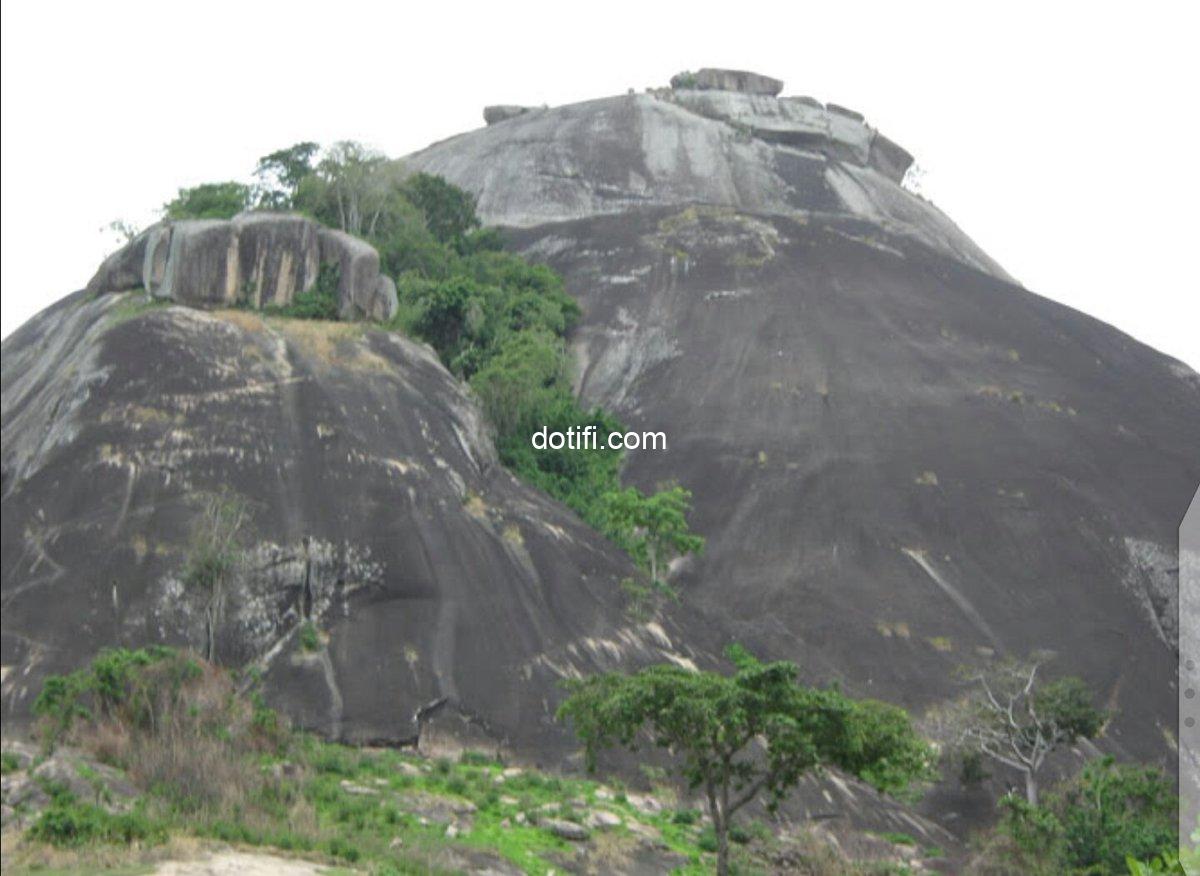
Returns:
(900, 463)
(743, 148)
(255, 259)
(440, 585)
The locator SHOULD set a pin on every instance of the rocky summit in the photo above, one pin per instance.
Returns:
(901, 459)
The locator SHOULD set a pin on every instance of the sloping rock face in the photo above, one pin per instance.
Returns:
(901, 460)
(438, 585)
(757, 153)
(254, 259)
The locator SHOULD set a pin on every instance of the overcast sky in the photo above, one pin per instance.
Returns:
(1062, 137)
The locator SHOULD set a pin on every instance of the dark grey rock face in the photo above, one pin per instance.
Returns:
(900, 463)
(901, 460)
(255, 258)
(378, 513)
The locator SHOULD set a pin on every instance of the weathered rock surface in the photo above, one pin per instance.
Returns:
(899, 462)
(379, 513)
(23, 792)
(493, 115)
(712, 78)
(254, 259)
(752, 152)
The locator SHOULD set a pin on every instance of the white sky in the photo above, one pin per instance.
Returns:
(1062, 137)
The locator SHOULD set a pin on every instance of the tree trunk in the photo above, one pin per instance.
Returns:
(1031, 788)
(722, 831)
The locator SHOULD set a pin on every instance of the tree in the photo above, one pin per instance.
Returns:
(215, 553)
(1014, 719)
(448, 210)
(221, 200)
(756, 732)
(353, 188)
(280, 174)
(653, 529)
(1112, 810)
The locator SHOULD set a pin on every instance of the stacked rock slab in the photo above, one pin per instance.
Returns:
(258, 259)
(714, 79)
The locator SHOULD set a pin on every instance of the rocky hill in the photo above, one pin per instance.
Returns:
(901, 459)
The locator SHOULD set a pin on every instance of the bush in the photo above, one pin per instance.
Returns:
(67, 823)
(1091, 824)
(1112, 810)
(319, 302)
(222, 200)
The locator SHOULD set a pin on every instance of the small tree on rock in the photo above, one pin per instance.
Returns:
(749, 735)
(654, 528)
(1015, 718)
(215, 552)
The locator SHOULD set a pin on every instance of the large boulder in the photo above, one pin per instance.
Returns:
(254, 259)
(503, 112)
(359, 292)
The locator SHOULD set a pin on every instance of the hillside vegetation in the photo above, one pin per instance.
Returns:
(495, 320)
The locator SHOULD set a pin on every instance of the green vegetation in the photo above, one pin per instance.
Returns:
(214, 555)
(222, 200)
(1015, 718)
(209, 764)
(1095, 824)
(495, 320)
(319, 302)
(756, 732)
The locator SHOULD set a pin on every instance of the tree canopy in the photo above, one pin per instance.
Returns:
(755, 732)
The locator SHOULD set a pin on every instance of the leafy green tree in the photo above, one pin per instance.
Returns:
(1112, 810)
(754, 733)
(653, 529)
(222, 200)
(525, 374)
(448, 210)
(1012, 717)
(280, 174)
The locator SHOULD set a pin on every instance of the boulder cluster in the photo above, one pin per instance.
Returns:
(253, 259)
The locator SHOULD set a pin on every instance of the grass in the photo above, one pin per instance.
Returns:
(212, 764)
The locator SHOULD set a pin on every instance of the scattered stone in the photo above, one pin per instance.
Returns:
(567, 830)
(602, 819)
(358, 790)
(451, 831)
(644, 803)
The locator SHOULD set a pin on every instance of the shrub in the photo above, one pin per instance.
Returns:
(319, 302)
(222, 200)
(309, 637)
(68, 823)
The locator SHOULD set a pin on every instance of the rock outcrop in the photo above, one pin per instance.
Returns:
(715, 79)
(254, 259)
(450, 598)
(493, 115)
(900, 459)
(730, 144)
